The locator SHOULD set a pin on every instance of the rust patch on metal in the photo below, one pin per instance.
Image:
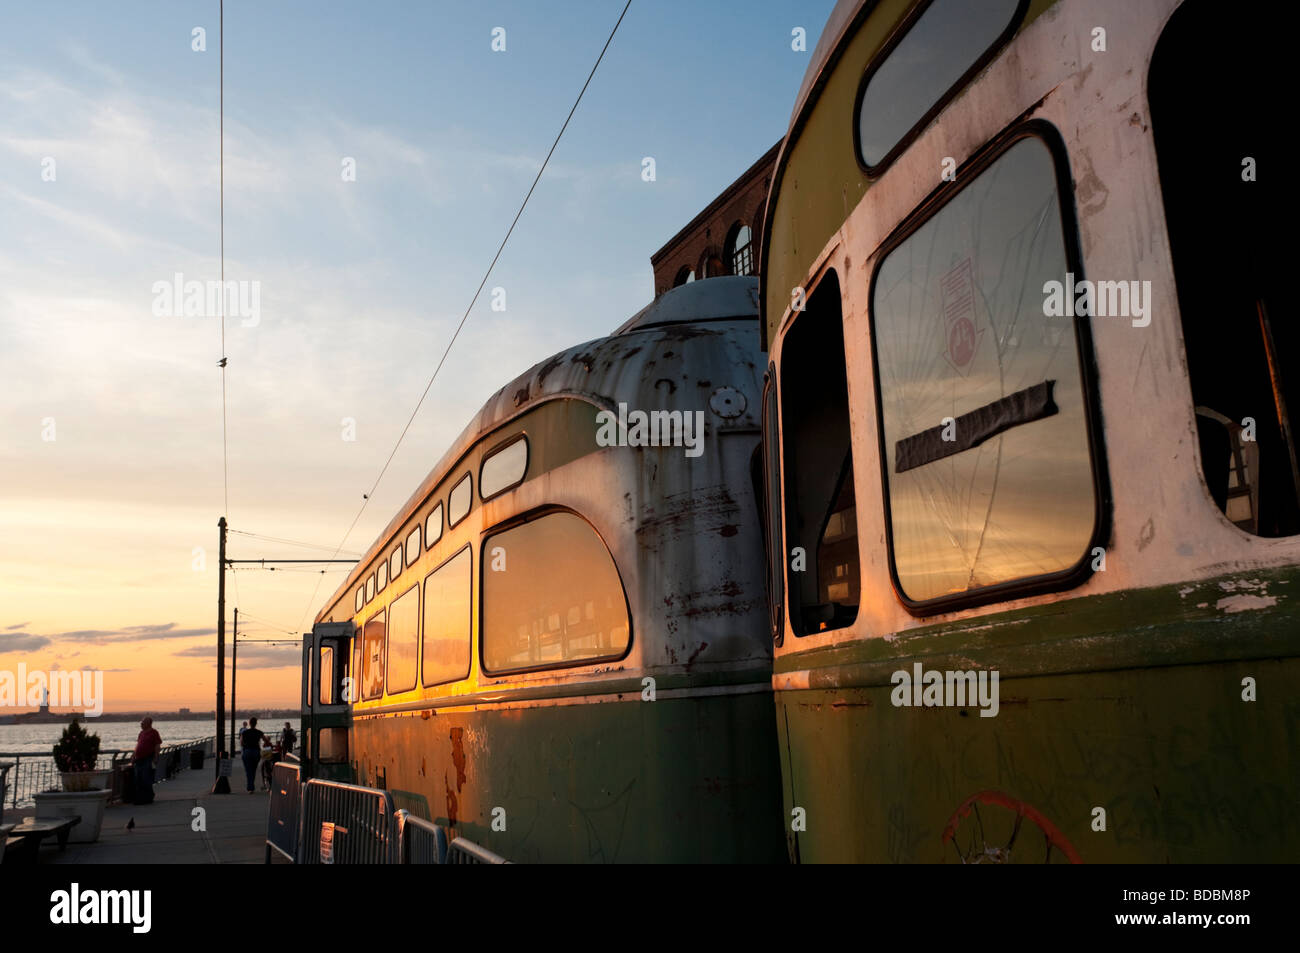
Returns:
(546, 368)
(694, 655)
(453, 804)
(521, 395)
(458, 756)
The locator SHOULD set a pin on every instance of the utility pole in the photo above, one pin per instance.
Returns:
(222, 785)
(234, 674)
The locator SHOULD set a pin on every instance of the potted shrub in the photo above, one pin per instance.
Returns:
(75, 755)
(84, 791)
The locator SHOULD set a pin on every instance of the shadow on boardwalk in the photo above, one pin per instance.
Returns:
(164, 830)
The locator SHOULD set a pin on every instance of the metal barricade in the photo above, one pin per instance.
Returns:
(463, 851)
(283, 815)
(420, 841)
(346, 824)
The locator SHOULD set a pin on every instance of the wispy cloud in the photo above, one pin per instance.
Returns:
(22, 642)
(251, 656)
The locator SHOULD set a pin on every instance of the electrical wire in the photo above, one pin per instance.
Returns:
(402, 436)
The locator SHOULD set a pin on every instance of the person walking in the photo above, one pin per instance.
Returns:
(287, 738)
(147, 745)
(251, 741)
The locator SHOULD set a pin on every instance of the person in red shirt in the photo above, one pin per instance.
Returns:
(147, 746)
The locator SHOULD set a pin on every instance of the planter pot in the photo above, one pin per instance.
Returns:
(89, 805)
(86, 780)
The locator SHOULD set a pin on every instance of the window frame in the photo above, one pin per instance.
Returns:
(417, 533)
(423, 583)
(501, 448)
(359, 600)
(429, 540)
(1072, 576)
(371, 591)
(362, 643)
(484, 550)
(887, 50)
(469, 476)
(774, 510)
(381, 575)
(419, 633)
(399, 554)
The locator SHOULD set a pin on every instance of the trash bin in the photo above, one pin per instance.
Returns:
(196, 759)
(127, 783)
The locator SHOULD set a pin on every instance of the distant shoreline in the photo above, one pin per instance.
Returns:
(62, 718)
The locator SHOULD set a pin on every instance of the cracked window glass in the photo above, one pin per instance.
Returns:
(983, 418)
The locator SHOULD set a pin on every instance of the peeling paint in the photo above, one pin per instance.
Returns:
(1245, 603)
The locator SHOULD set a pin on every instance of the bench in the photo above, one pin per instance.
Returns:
(27, 834)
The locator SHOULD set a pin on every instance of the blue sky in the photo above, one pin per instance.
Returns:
(361, 282)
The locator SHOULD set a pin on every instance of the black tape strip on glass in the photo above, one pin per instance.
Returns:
(972, 429)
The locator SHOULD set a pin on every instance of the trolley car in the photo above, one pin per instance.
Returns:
(558, 647)
(1029, 413)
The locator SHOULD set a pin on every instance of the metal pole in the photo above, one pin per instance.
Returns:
(234, 673)
(222, 786)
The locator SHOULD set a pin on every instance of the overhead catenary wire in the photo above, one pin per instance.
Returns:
(287, 542)
(274, 626)
(500, 248)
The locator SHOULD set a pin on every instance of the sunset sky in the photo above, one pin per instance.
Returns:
(110, 436)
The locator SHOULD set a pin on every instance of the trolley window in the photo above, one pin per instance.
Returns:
(458, 502)
(941, 47)
(1239, 329)
(327, 685)
(383, 576)
(446, 647)
(360, 600)
(503, 469)
(395, 563)
(403, 639)
(372, 657)
(433, 527)
(413, 546)
(551, 596)
(823, 566)
(370, 587)
(984, 421)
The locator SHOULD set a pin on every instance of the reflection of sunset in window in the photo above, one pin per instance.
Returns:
(558, 601)
(1020, 503)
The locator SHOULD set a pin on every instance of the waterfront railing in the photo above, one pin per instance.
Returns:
(35, 772)
(329, 822)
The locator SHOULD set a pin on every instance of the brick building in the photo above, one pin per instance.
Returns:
(722, 239)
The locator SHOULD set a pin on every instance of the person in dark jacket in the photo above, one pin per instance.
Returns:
(251, 741)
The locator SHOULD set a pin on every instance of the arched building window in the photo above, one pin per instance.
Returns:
(684, 274)
(712, 266)
(740, 249)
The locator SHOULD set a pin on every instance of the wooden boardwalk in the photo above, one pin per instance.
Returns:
(164, 830)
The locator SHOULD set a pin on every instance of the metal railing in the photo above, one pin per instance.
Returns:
(463, 851)
(328, 822)
(420, 841)
(283, 815)
(346, 824)
(35, 772)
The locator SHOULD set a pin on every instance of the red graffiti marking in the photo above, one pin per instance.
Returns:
(1054, 837)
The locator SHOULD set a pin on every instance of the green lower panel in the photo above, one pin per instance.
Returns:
(1185, 769)
(679, 779)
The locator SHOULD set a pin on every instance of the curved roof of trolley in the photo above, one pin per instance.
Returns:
(569, 374)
